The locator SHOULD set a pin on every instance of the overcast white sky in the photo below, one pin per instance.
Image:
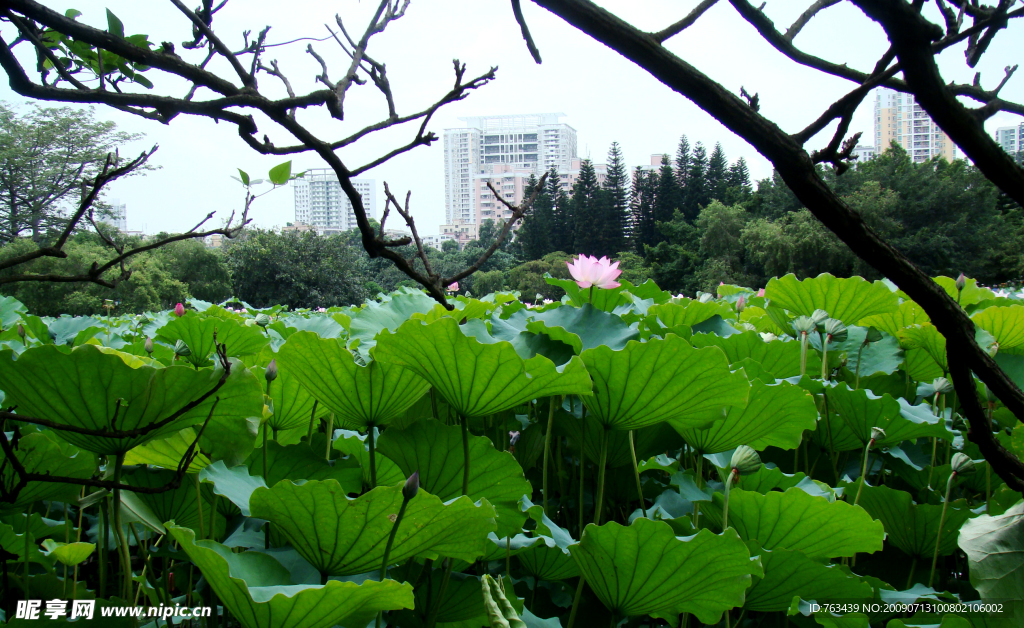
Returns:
(605, 97)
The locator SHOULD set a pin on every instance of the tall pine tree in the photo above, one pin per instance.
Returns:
(562, 227)
(587, 209)
(616, 222)
(668, 198)
(717, 178)
(641, 205)
(738, 182)
(697, 193)
(683, 162)
(533, 239)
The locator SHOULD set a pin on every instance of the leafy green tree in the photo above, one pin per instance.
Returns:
(201, 268)
(528, 278)
(616, 186)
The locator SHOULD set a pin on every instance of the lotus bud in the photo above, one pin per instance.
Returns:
(262, 320)
(942, 386)
(962, 464)
(768, 336)
(469, 294)
(877, 434)
(741, 304)
(271, 372)
(835, 330)
(179, 310)
(819, 317)
(745, 460)
(181, 349)
(961, 283)
(538, 298)
(148, 346)
(803, 325)
(993, 350)
(412, 486)
(513, 438)
(21, 332)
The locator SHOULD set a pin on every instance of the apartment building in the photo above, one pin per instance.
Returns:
(321, 203)
(1011, 138)
(898, 118)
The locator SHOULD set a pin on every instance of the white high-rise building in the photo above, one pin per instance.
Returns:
(513, 146)
(1011, 138)
(118, 217)
(321, 203)
(898, 118)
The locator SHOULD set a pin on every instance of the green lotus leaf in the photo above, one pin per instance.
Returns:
(167, 452)
(354, 445)
(920, 365)
(971, 294)
(292, 402)
(500, 611)
(912, 527)
(178, 505)
(648, 441)
(608, 299)
(774, 415)
(495, 475)
(358, 395)
(341, 536)
(259, 593)
(321, 325)
(199, 333)
(234, 483)
(862, 410)
(44, 452)
(995, 553)
(87, 389)
(477, 379)
(788, 574)
(947, 620)
(848, 299)
(849, 620)
(647, 383)
(883, 356)
(645, 568)
(927, 338)
(396, 309)
(906, 315)
(1005, 323)
(16, 543)
(582, 327)
(795, 520)
(299, 462)
(690, 312)
(548, 563)
(73, 329)
(765, 479)
(526, 343)
(69, 554)
(11, 311)
(778, 357)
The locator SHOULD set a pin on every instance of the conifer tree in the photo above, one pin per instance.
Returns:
(561, 219)
(617, 221)
(533, 240)
(697, 193)
(738, 182)
(668, 198)
(683, 162)
(717, 178)
(587, 209)
(641, 206)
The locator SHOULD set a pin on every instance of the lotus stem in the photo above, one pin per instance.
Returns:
(213, 519)
(931, 468)
(725, 510)
(803, 353)
(576, 601)
(465, 453)
(824, 357)
(103, 557)
(266, 467)
(856, 377)
(373, 457)
(78, 535)
(591, 295)
(700, 480)
(600, 478)
(199, 506)
(913, 567)
(118, 530)
(938, 533)
(28, 523)
(391, 542)
(434, 608)
(330, 437)
(636, 474)
(863, 471)
(583, 463)
(312, 420)
(547, 451)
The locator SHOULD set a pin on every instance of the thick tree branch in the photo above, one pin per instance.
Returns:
(686, 22)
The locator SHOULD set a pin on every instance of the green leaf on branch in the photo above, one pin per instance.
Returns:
(114, 25)
(281, 173)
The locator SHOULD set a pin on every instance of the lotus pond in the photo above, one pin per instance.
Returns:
(793, 456)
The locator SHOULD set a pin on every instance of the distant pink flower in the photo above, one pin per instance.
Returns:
(179, 309)
(721, 283)
(760, 292)
(453, 287)
(741, 304)
(589, 271)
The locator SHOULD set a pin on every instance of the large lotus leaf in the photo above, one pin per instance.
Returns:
(906, 315)
(862, 410)
(299, 462)
(259, 593)
(647, 383)
(1005, 323)
(390, 314)
(69, 554)
(167, 452)
(11, 310)
(548, 563)
(435, 450)
(849, 299)
(359, 395)
(88, 388)
(200, 332)
(788, 574)
(178, 505)
(920, 365)
(774, 415)
(341, 536)
(69, 330)
(927, 338)
(322, 325)
(477, 379)
(42, 452)
(353, 444)
(608, 299)
(689, 312)
(293, 402)
(778, 357)
(971, 294)
(583, 327)
(912, 527)
(883, 356)
(235, 483)
(645, 568)
(995, 553)
(796, 520)
(526, 343)
(648, 441)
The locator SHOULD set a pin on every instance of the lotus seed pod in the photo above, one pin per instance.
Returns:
(148, 346)
(877, 434)
(961, 282)
(942, 385)
(768, 336)
(181, 349)
(143, 319)
(745, 460)
(741, 304)
(803, 324)
(262, 320)
(271, 372)
(412, 486)
(836, 330)
(962, 464)
(819, 317)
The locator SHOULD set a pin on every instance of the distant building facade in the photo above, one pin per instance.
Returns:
(321, 203)
(1011, 138)
(118, 217)
(864, 153)
(898, 118)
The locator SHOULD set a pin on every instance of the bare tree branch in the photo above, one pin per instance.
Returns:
(686, 22)
(806, 16)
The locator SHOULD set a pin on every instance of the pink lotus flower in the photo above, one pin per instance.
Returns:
(589, 271)
(760, 292)
(179, 309)
(453, 287)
